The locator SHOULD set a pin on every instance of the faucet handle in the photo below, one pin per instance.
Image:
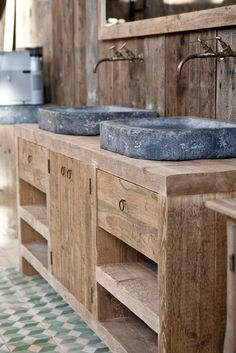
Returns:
(129, 53)
(123, 45)
(116, 52)
(205, 46)
(226, 49)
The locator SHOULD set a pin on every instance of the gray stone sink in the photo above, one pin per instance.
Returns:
(18, 114)
(84, 120)
(171, 138)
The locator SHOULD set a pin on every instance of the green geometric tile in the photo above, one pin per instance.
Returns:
(39, 346)
(35, 319)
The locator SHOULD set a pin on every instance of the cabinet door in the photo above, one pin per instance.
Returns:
(71, 225)
(80, 219)
(59, 222)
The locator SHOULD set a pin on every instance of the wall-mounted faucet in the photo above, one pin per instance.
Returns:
(123, 54)
(225, 52)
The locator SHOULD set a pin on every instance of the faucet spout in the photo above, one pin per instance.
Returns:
(195, 56)
(101, 61)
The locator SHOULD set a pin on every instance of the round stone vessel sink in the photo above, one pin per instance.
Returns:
(84, 120)
(170, 138)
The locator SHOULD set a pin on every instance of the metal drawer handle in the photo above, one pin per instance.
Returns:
(63, 171)
(69, 173)
(122, 205)
(29, 158)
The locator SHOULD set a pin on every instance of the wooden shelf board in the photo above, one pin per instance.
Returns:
(36, 217)
(135, 286)
(132, 334)
(39, 250)
(225, 206)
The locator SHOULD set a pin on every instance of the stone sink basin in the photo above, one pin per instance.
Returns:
(170, 138)
(84, 120)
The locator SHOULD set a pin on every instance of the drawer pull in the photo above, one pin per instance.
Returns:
(122, 205)
(63, 171)
(29, 158)
(69, 173)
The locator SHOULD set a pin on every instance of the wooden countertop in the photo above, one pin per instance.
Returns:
(164, 177)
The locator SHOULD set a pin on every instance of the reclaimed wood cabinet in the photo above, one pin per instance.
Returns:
(129, 244)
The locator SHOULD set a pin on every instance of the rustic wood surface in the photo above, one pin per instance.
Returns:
(227, 207)
(7, 183)
(70, 226)
(135, 286)
(33, 164)
(191, 262)
(230, 339)
(166, 178)
(138, 224)
(219, 17)
(36, 217)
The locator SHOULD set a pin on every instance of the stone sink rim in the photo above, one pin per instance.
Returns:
(127, 124)
(175, 138)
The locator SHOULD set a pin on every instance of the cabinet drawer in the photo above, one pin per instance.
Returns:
(32, 161)
(129, 212)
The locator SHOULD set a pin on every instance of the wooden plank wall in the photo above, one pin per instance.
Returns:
(206, 87)
(74, 51)
(68, 30)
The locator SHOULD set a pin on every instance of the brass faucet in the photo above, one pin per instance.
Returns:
(225, 52)
(118, 55)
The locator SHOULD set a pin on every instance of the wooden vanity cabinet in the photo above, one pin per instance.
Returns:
(129, 244)
(70, 225)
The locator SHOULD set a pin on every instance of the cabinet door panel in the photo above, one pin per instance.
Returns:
(80, 232)
(71, 229)
(58, 218)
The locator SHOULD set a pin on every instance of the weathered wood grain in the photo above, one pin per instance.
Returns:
(32, 164)
(7, 182)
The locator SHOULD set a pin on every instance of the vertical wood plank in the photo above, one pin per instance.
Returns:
(105, 75)
(226, 80)
(194, 92)
(63, 51)
(230, 339)
(190, 295)
(79, 48)
(91, 51)
(154, 56)
(7, 183)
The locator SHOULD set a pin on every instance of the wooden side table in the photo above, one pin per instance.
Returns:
(227, 207)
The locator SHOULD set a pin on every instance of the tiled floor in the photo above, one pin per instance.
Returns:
(34, 318)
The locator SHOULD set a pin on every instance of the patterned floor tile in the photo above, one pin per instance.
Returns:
(35, 319)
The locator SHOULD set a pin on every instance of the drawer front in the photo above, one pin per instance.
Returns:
(32, 164)
(129, 212)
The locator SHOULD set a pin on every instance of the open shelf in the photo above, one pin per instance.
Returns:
(39, 250)
(135, 286)
(36, 217)
(132, 334)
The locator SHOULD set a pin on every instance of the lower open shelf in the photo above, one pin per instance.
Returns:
(39, 250)
(135, 286)
(132, 334)
(36, 217)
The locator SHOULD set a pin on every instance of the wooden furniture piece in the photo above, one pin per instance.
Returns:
(128, 243)
(7, 183)
(227, 207)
